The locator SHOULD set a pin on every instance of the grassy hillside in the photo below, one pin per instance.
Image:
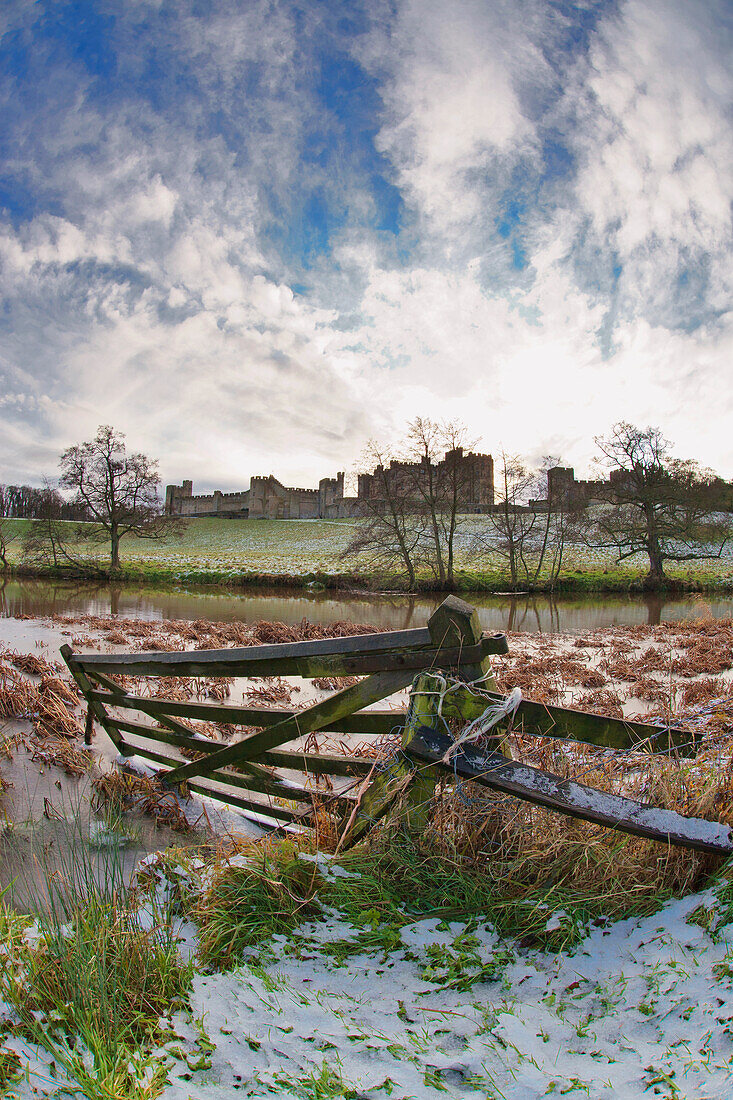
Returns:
(297, 551)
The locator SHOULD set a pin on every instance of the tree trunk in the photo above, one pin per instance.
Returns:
(114, 539)
(656, 577)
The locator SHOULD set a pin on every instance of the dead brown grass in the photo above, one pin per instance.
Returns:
(603, 701)
(272, 690)
(30, 663)
(125, 792)
(218, 688)
(55, 717)
(700, 691)
(59, 753)
(334, 683)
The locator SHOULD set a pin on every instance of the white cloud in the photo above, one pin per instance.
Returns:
(155, 300)
(657, 177)
(451, 105)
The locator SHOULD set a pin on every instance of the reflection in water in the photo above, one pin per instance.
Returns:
(386, 612)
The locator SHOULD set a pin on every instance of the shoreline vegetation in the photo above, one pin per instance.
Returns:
(303, 554)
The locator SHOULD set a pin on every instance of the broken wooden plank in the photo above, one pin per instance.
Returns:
(567, 796)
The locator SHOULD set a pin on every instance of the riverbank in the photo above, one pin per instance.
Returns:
(297, 554)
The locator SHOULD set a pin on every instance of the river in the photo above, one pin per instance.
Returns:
(41, 598)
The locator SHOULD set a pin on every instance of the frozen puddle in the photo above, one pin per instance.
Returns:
(641, 1008)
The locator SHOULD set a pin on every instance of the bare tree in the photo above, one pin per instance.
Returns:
(438, 477)
(57, 543)
(118, 490)
(8, 535)
(418, 495)
(529, 526)
(390, 535)
(656, 505)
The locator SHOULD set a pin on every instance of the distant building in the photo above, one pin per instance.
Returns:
(268, 498)
(474, 478)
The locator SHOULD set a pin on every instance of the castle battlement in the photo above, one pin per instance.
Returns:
(268, 498)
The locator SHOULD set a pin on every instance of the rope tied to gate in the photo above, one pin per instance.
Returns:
(494, 713)
(491, 717)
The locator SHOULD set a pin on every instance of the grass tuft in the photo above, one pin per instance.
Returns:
(265, 891)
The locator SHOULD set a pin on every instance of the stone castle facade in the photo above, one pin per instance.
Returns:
(268, 498)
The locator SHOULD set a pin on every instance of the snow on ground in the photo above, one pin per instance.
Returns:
(639, 1008)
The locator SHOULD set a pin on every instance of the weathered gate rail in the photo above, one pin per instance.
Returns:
(452, 638)
(425, 742)
(248, 773)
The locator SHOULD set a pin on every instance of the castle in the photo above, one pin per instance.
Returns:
(268, 498)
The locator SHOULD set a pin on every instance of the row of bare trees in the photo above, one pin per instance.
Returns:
(663, 508)
(30, 502)
(414, 523)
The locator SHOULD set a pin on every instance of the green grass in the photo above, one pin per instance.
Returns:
(393, 885)
(295, 553)
(246, 905)
(92, 983)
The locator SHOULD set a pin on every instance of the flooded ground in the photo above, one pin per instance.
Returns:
(604, 658)
(536, 614)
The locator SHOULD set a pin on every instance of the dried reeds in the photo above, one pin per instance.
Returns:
(334, 683)
(30, 663)
(54, 717)
(123, 791)
(272, 689)
(19, 698)
(58, 751)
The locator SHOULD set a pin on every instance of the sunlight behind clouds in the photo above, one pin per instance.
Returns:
(253, 237)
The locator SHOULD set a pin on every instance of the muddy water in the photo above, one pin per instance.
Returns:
(523, 613)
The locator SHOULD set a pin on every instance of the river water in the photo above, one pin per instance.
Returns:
(41, 598)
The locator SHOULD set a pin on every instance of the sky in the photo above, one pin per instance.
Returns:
(254, 234)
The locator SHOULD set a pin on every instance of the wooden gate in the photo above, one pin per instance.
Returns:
(270, 773)
(249, 773)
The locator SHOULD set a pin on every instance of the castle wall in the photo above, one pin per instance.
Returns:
(474, 474)
(268, 498)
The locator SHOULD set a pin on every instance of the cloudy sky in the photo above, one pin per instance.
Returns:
(252, 234)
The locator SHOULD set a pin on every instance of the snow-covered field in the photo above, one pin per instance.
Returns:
(639, 1008)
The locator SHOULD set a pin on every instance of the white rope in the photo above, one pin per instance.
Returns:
(486, 721)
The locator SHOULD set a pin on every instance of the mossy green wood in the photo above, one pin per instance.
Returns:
(398, 775)
(453, 638)
(565, 723)
(371, 690)
(266, 661)
(379, 722)
(456, 624)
